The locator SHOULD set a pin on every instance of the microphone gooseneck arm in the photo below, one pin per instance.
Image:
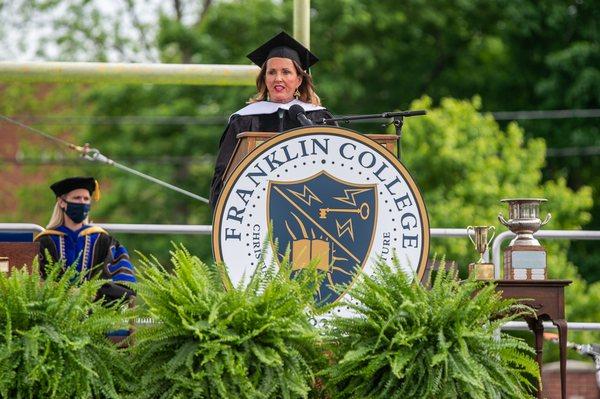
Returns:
(385, 115)
(398, 122)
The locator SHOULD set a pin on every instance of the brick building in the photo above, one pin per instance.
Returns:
(581, 380)
(13, 172)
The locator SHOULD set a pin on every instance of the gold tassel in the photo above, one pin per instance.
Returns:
(96, 194)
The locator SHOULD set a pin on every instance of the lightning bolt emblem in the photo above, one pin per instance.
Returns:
(345, 228)
(306, 196)
(350, 194)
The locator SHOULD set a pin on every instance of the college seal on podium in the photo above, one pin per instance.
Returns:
(332, 197)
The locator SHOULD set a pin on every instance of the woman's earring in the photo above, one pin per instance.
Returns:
(297, 94)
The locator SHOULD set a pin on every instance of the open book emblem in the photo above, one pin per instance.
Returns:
(325, 220)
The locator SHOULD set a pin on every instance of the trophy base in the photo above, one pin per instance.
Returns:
(4, 265)
(482, 271)
(525, 262)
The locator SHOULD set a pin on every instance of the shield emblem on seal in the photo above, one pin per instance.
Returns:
(325, 220)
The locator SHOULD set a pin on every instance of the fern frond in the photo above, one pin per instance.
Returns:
(213, 340)
(53, 337)
(427, 341)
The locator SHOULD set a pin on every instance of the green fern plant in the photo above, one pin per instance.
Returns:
(53, 337)
(210, 339)
(435, 340)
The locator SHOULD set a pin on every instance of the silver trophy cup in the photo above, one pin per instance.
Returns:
(524, 219)
(524, 258)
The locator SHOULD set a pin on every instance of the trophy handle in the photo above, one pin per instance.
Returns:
(470, 228)
(493, 230)
(502, 220)
(548, 217)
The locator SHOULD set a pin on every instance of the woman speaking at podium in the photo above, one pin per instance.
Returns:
(283, 81)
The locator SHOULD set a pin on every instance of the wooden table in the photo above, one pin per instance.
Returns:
(547, 298)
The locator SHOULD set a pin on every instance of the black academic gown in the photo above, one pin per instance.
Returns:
(251, 123)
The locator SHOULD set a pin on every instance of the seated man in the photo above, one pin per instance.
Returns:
(69, 238)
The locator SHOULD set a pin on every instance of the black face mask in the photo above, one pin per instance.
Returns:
(77, 212)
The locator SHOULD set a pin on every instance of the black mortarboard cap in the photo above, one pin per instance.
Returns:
(284, 46)
(72, 183)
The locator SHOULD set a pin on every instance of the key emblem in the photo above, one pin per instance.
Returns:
(363, 211)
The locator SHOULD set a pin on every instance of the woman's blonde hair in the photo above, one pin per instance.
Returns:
(306, 89)
(58, 217)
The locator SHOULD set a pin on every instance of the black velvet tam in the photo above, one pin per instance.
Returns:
(283, 46)
(72, 183)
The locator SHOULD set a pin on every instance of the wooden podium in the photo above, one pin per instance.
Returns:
(248, 141)
(19, 254)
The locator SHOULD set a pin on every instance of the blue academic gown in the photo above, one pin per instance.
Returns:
(91, 250)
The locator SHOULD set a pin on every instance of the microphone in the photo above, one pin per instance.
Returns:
(297, 114)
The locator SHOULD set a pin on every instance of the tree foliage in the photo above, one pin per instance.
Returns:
(464, 163)
(78, 30)
(375, 56)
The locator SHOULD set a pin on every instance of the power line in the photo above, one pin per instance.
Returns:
(162, 160)
(208, 159)
(572, 152)
(50, 120)
(552, 114)
(215, 120)
(92, 154)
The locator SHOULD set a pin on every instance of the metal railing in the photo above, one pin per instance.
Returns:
(572, 326)
(434, 232)
(200, 229)
(21, 228)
